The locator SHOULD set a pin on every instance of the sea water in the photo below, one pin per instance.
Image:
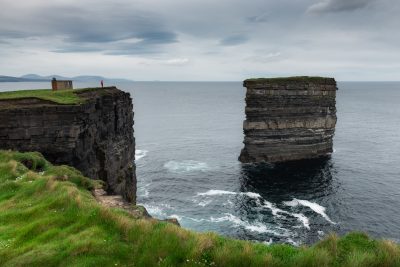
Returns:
(189, 136)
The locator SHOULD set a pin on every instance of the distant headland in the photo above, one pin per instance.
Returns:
(39, 78)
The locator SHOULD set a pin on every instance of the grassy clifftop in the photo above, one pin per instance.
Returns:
(296, 79)
(63, 97)
(48, 217)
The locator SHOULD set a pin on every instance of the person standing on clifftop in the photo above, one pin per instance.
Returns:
(102, 83)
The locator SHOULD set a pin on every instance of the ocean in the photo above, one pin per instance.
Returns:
(189, 136)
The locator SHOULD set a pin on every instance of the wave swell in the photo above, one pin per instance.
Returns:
(140, 154)
(312, 205)
(260, 202)
(186, 166)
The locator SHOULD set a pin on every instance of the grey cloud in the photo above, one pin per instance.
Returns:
(234, 40)
(7, 34)
(265, 58)
(338, 5)
(88, 30)
(146, 43)
(264, 17)
(158, 37)
(135, 49)
(213, 34)
(76, 49)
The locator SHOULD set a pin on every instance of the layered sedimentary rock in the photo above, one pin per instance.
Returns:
(289, 119)
(96, 136)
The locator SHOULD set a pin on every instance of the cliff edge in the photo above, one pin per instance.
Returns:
(89, 129)
(289, 119)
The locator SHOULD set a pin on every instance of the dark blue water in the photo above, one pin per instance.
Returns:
(189, 136)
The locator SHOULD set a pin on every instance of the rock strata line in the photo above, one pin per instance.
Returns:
(289, 119)
(96, 137)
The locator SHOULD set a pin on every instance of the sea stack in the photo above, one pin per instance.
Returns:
(289, 119)
(95, 135)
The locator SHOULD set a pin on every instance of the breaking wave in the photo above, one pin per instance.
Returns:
(312, 205)
(214, 192)
(277, 212)
(146, 193)
(186, 166)
(260, 202)
(143, 191)
(155, 211)
(254, 227)
(204, 203)
(161, 210)
(140, 154)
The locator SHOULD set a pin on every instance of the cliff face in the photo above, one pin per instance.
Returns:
(96, 137)
(289, 119)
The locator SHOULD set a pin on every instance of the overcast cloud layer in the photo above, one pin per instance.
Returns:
(201, 40)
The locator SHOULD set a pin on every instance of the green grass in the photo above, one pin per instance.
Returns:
(48, 217)
(289, 79)
(64, 97)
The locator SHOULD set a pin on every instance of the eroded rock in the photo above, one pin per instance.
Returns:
(289, 119)
(96, 137)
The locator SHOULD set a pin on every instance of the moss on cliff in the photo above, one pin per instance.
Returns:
(314, 79)
(60, 97)
(48, 217)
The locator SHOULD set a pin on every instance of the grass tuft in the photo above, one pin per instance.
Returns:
(48, 217)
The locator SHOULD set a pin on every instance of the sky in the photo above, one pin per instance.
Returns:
(202, 40)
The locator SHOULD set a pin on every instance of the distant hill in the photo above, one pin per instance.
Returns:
(20, 79)
(38, 78)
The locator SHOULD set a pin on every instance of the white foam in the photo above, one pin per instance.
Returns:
(303, 219)
(252, 195)
(312, 205)
(166, 205)
(254, 227)
(230, 203)
(261, 202)
(275, 211)
(266, 204)
(195, 220)
(216, 193)
(155, 211)
(144, 191)
(228, 217)
(186, 166)
(140, 154)
(259, 228)
(204, 203)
